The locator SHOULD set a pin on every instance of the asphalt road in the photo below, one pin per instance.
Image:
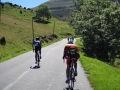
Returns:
(16, 74)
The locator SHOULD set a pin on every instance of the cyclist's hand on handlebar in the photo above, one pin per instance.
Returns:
(63, 57)
(33, 50)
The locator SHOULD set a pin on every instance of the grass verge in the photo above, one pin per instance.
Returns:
(101, 75)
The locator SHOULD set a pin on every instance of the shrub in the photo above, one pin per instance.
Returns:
(2, 41)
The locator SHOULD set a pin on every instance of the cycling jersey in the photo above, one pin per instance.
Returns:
(37, 45)
(71, 51)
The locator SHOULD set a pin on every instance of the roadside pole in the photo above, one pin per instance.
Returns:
(0, 10)
(32, 29)
(53, 27)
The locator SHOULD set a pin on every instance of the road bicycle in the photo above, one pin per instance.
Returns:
(71, 75)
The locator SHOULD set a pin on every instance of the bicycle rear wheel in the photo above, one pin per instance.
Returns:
(72, 79)
(38, 58)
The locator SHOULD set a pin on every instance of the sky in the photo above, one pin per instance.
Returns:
(26, 3)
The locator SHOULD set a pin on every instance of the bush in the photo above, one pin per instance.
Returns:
(20, 12)
(2, 41)
(117, 63)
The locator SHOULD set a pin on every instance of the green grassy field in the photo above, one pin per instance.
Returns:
(101, 75)
(17, 30)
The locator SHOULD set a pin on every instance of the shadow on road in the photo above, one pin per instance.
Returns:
(67, 88)
(35, 67)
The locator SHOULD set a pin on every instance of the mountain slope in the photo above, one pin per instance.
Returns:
(60, 8)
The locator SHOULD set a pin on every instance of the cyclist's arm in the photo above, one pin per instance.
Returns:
(65, 51)
(33, 46)
(77, 52)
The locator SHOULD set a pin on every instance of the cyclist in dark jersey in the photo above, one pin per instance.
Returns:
(37, 46)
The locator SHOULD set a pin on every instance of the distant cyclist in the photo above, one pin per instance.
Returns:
(37, 46)
(73, 38)
(70, 41)
(70, 51)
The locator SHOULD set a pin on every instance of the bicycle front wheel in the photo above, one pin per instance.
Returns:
(72, 79)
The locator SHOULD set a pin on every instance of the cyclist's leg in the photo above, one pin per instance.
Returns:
(35, 56)
(68, 68)
(67, 71)
(40, 52)
(75, 66)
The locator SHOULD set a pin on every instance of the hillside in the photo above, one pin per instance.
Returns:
(60, 8)
(16, 27)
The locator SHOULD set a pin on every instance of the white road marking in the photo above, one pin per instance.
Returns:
(49, 52)
(10, 85)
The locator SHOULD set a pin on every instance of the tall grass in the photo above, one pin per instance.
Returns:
(101, 75)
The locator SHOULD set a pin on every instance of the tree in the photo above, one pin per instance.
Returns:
(97, 22)
(43, 11)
